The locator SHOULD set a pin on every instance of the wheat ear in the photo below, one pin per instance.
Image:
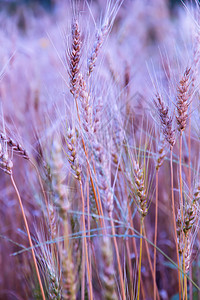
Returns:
(74, 57)
(100, 37)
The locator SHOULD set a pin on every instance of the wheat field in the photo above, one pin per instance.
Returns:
(99, 150)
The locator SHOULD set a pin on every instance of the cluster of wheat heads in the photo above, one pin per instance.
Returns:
(102, 199)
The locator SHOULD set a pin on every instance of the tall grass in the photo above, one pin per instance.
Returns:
(99, 151)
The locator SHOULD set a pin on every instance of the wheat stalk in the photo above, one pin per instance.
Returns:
(169, 134)
(68, 277)
(71, 142)
(104, 185)
(108, 272)
(100, 37)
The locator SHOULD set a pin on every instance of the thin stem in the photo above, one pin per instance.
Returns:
(181, 204)
(29, 237)
(135, 251)
(190, 284)
(83, 272)
(85, 242)
(180, 174)
(129, 269)
(185, 278)
(149, 258)
(174, 218)
(88, 223)
(198, 277)
(189, 155)
(118, 260)
(155, 236)
(140, 258)
(190, 190)
(99, 198)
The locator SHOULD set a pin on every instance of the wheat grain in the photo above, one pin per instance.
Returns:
(74, 57)
(183, 98)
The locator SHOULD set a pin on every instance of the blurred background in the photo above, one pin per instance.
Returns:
(50, 4)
